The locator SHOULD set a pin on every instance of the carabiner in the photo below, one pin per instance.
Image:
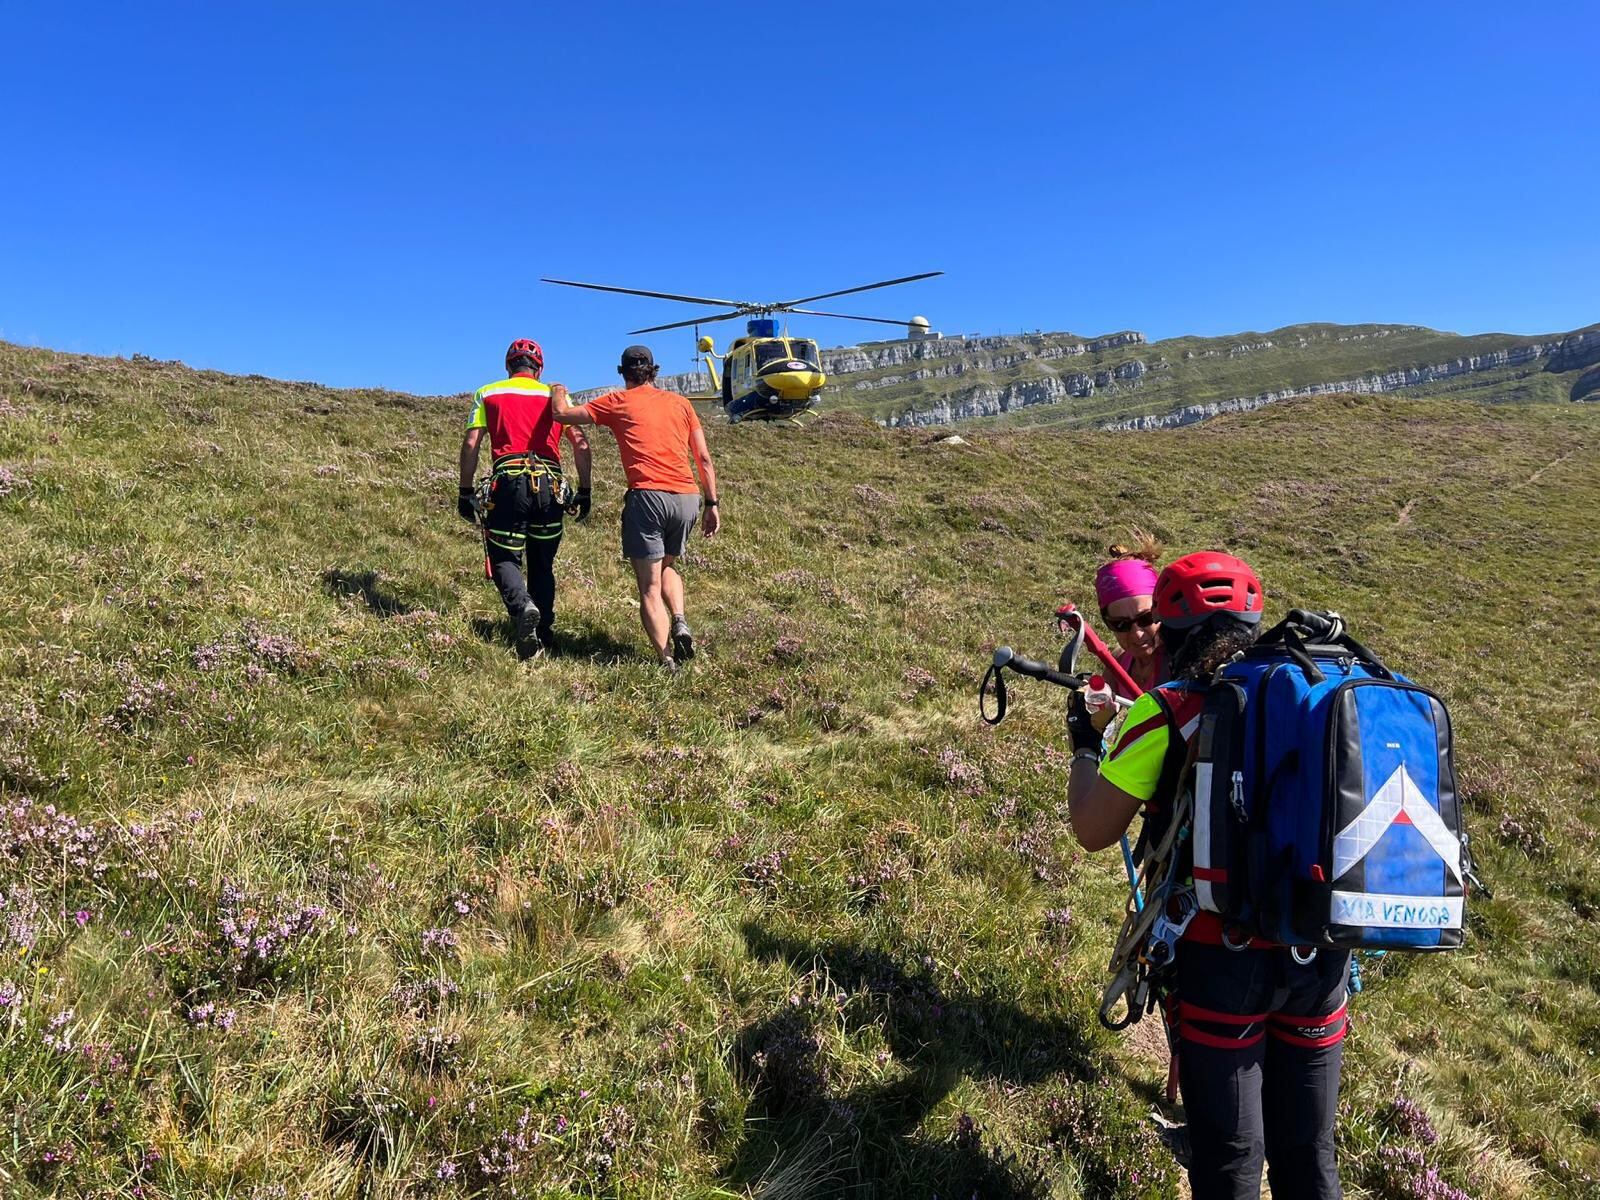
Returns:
(1117, 990)
(1229, 932)
(1303, 954)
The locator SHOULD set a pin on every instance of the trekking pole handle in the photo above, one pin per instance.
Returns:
(1007, 658)
(1318, 625)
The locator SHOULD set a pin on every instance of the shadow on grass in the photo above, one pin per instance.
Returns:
(583, 640)
(805, 1138)
(338, 582)
(591, 641)
(492, 632)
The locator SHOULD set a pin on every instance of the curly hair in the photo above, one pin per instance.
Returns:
(1196, 653)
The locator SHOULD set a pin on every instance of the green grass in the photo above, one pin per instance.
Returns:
(777, 925)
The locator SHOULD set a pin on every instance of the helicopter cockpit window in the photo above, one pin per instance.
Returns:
(803, 350)
(770, 352)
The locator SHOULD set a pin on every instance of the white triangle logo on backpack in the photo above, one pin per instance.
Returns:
(1399, 799)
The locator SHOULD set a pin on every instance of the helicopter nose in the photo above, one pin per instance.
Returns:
(794, 385)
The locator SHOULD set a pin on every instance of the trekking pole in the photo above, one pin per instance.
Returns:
(1006, 659)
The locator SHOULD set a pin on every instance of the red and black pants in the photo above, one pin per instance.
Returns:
(1260, 1047)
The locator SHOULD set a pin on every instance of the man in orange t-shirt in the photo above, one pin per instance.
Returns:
(657, 433)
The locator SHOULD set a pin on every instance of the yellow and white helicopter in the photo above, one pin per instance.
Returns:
(766, 375)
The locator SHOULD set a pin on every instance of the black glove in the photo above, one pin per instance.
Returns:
(1080, 725)
(467, 506)
(584, 500)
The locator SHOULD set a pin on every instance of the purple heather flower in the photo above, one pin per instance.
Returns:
(1410, 1119)
(439, 941)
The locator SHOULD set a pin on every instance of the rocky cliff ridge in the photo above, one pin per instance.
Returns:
(685, 383)
(964, 354)
(1572, 352)
(1565, 353)
(1035, 370)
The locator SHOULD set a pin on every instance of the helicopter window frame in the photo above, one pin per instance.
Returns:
(771, 352)
(812, 357)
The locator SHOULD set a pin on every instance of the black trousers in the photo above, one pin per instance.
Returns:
(1259, 1053)
(522, 518)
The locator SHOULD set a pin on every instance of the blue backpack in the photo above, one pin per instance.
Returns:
(1325, 803)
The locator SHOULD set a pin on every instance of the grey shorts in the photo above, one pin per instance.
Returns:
(657, 524)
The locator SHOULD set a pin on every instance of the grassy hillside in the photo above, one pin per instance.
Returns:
(311, 888)
(1197, 370)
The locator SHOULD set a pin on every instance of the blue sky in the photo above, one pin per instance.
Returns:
(367, 194)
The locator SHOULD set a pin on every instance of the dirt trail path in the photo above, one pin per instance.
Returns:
(1555, 462)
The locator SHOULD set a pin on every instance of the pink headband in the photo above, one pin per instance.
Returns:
(1124, 577)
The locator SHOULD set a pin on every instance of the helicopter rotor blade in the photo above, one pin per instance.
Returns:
(866, 287)
(811, 312)
(690, 321)
(602, 287)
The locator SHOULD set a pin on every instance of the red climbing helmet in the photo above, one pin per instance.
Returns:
(525, 348)
(1193, 587)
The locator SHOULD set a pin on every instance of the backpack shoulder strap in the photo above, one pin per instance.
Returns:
(1175, 763)
(1180, 748)
(1172, 761)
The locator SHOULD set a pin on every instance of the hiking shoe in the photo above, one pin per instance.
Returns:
(547, 641)
(1174, 1137)
(669, 665)
(527, 623)
(682, 640)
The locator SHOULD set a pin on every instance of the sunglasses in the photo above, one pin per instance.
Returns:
(1123, 624)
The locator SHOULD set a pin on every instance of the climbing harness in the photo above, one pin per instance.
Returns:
(1170, 927)
(1146, 948)
(544, 477)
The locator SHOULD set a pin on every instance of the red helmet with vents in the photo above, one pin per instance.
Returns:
(525, 348)
(1193, 587)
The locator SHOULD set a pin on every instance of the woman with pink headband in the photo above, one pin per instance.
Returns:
(1125, 587)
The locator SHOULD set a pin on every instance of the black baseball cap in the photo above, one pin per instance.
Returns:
(637, 356)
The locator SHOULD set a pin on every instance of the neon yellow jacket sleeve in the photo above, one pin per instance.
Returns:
(478, 419)
(1134, 761)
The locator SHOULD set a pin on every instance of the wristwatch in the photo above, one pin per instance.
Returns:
(710, 503)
